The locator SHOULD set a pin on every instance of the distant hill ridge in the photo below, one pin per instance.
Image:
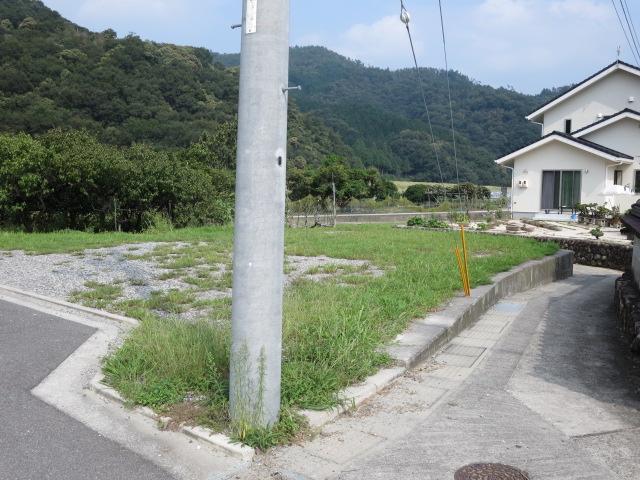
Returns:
(54, 73)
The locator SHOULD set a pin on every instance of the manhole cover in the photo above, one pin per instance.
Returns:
(490, 471)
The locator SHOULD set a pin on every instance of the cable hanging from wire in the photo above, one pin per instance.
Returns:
(406, 19)
(453, 128)
(636, 54)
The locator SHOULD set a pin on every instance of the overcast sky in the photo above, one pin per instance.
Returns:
(526, 44)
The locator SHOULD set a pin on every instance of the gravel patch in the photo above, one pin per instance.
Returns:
(58, 275)
(62, 275)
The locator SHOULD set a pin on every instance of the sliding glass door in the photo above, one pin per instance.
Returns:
(561, 188)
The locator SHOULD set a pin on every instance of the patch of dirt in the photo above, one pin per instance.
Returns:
(185, 413)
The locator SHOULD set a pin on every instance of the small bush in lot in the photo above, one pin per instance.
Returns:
(597, 232)
(459, 217)
(434, 222)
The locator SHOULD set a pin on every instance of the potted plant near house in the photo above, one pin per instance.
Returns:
(590, 213)
(583, 212)
(601, 214)
(616, 217)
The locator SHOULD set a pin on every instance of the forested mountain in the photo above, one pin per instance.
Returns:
(54, 73)
(379, 113)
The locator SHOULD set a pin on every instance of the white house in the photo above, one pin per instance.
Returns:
(590, 147)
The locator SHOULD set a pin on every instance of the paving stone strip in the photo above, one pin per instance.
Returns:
(396, 411)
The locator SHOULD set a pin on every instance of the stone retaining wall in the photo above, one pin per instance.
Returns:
(627, 302)
(594, 253)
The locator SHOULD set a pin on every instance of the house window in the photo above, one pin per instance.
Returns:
(561, 188)
(617, 177)
(567, 126)
(637, 182)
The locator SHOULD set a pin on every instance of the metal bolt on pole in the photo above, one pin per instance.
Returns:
(258, 259)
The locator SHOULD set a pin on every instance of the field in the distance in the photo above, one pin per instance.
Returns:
(333, 329)
(403, 185)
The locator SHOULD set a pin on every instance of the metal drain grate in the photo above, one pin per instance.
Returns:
(490, 471)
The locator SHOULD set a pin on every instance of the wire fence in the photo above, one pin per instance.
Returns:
(315, 212)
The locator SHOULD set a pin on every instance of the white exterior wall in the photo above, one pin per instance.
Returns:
(556, 156)
(623, 136)
(607, 96)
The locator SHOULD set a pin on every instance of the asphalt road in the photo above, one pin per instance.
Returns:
(38, 442)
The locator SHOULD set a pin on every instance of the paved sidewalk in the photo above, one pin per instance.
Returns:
(38, 442)
(542, 382)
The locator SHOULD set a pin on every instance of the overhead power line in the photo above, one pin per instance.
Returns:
(453, 128)
(630, 25)
(406, 19)
(635, 53)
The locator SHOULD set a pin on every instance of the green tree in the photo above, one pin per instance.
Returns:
(24, 187)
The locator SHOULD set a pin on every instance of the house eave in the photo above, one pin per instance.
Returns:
(539, 113)
(594, 127)
(557, 137)
(533, 118)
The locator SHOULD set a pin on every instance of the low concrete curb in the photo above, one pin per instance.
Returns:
(218, 441)
(49, 301)
(426, 336)
(56, 307)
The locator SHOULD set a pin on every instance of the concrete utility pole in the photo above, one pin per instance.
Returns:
(258, 260)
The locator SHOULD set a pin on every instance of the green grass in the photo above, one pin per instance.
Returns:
(333, 268)
(332, 333)
(208, 282)
(171, 301)
(73, 241)
(99, 295)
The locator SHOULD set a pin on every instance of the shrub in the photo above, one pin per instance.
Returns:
(459, 217)
(434, 222)
(597, 232)
(441, 194)
(415, 222)
(157, 222)
(68, 180)
(416, 194)
(602, 212)
(350, 183)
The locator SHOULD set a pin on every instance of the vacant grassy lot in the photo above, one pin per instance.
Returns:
(333, 328)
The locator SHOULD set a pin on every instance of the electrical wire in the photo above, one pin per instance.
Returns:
(405, 17)
(631, 46)
(453, 128)
(631, 19)
(630, 25)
